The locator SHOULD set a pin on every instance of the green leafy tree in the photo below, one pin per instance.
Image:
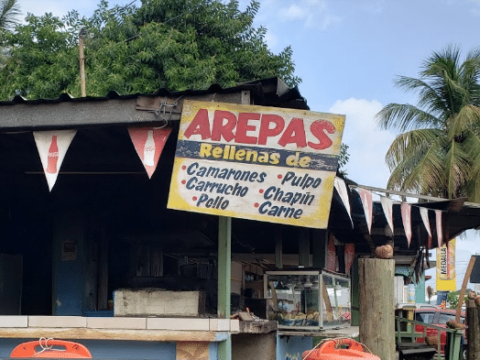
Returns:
(176, 44)
(343, 158)
(438, 151)
(453, 296)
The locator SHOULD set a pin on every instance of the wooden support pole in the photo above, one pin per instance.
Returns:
(319, 248)
(103, 295)
(304, 247)
(224, 280)
(377, 316)
(278, 250)
(473, 331)
(466, 277)
(81, 56)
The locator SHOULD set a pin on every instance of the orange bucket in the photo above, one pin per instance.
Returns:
(335, 350)
(51, 348)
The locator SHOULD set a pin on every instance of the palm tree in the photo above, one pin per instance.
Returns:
(8, 12)
(438, 150)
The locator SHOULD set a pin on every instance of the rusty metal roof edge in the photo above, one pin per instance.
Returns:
(270, 90)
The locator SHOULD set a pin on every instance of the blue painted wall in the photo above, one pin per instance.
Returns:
(213, 351)
(419, 288)
(292, 347)
(68, 276)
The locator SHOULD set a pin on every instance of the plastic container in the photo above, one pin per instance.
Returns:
(339, 349)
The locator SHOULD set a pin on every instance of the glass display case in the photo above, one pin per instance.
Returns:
(308, 299)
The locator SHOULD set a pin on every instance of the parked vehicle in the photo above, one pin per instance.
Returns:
(438, 317)
(417, 306)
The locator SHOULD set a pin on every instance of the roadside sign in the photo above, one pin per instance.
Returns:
(253, 162)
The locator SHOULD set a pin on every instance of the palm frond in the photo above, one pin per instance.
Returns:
(466, 120)
(428, 169)
(457, 165)
(9, 10)
(472, 148)
(404, 117)
(439, 150)
(410, 144)
(418, 151)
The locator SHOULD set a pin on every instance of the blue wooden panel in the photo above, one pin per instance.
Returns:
(213, 351)
(69, 275)
(292, 347)
(102, 349)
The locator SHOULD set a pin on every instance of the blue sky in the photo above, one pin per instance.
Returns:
(348, 53)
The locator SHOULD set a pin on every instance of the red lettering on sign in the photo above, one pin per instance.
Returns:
(266, 131)
(200, 125)
(294, 134)
(221, 129)
(243, 126)
(318, 129)
(225, 126)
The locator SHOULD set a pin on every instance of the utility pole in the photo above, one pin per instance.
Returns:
(81, 36)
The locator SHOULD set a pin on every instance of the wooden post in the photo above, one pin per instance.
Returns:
(103, 295)
(377, 315)
(466, 277)
(81, 53)
(319, 248)
(304, 247)
(224, 280)
(278, 249)
(473, 331)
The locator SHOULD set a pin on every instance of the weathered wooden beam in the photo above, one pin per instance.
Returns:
(473, 331)
(224, 282)
(401, 193)
(77, 113)
(304, 247)
(377, 318)
(113, 334)
(466, 278)
(278, 250)
(319, 248)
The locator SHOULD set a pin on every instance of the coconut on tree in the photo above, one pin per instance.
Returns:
(438, 150)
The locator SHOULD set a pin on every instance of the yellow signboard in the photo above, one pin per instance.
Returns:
(446, 277)
(253, 162)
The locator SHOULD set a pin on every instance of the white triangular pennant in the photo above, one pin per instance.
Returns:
(366, 197)
(438, 218)
(387, 206)
(343, 192)
(426, 222)
(52, 147)
(149, 143)
(407, 221)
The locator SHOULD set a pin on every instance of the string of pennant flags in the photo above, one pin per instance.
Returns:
(53, 145)
(149, 142)
(387, 207)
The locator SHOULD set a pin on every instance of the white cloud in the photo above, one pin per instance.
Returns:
(293, 12)
(312, 13)
(271, 39)
(60, 8)
(367, 143)
(374, 6)
(475, 7)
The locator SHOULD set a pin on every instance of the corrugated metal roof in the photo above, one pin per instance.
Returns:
(267, 92)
